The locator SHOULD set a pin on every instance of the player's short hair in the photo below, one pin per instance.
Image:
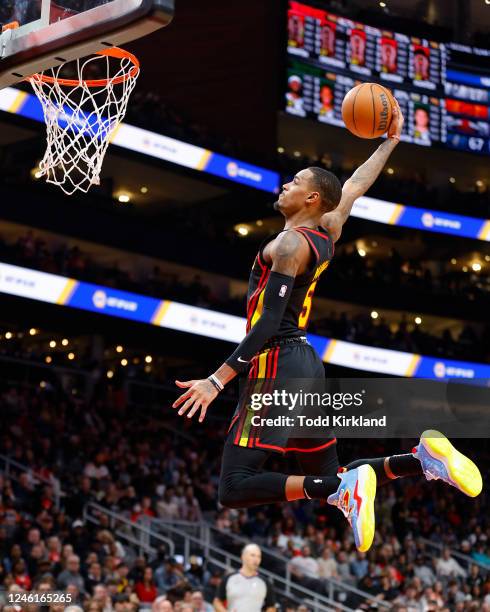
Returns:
(328, 186)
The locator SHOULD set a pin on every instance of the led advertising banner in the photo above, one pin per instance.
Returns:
(54, 289)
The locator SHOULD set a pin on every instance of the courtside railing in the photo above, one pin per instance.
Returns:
(136, 534)
(187, 539)
(13, 470)
(212, 539)
(466, 560)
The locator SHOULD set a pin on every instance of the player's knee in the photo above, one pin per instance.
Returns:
(229, 494)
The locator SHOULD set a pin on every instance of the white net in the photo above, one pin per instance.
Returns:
(82, 110)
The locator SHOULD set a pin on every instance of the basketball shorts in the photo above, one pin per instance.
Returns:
(290, 358)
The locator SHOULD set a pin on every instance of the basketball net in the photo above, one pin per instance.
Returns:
(82, 115)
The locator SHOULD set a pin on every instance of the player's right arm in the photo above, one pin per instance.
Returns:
(363, 178)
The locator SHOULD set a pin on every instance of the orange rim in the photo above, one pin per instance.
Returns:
(112, 52)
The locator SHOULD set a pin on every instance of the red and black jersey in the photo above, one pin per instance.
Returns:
(295, 319)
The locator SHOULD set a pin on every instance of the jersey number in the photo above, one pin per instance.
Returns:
(305, 311)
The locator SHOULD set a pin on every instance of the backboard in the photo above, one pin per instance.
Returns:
(41, 34)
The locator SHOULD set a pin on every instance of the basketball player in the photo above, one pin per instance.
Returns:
(282, 282)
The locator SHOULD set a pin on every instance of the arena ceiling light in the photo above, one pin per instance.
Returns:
(242, 230)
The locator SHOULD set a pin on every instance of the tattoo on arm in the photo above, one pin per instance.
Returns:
(363, 178)
(287, 253)
(366, 174)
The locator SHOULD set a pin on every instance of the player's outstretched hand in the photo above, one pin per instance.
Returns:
(397, 121)
(199, 394)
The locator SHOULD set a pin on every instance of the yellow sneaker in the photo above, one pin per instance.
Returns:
(355, 498)
(441, 461)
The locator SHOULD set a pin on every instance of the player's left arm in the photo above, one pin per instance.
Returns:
(289, 252)
(363, 177)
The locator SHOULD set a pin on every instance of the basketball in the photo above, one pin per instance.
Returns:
(367, 110)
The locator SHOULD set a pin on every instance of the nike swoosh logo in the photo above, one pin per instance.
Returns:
(242, 360)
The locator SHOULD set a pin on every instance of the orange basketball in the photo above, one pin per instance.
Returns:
(367, 110)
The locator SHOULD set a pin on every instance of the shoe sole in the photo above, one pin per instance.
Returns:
(461, 470)
(366, 519)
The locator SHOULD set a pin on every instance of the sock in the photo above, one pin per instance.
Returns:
(320, 487)
(405, 465)
(388, 468)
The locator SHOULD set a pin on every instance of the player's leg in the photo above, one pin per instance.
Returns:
(243, 483)
(390, 468)
(354, 495)
(435, 458)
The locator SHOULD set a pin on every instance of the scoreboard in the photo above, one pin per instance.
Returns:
(442, 88)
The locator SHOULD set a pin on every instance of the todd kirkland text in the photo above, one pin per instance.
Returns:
(301, 420)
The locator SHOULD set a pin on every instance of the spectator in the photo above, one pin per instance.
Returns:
(71, 575)
(327, 565)
(161, 604)
(305, 565)
(447, 567)
(198, 603)
(359, 566)
(146, 589)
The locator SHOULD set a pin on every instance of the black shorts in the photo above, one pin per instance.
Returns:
(294, 359)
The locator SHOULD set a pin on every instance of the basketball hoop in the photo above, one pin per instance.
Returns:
(82, 115)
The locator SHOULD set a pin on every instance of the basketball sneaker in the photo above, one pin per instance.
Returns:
(441, 461)
(355, 499)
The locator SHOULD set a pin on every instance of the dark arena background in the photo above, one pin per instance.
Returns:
(106, 298)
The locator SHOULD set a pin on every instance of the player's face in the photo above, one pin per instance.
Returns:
(293, 27)
(421, 119)
(327, 38)
(357, 47)
(295, 86)
(421, 65)
(326, 96)
(388, 55)
(294, 194)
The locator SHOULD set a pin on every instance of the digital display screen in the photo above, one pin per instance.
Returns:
(442, 88)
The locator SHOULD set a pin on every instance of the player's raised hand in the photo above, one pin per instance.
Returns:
(199, 394)
(397, 121)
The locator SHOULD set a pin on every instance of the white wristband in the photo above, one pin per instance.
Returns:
(217, 382)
